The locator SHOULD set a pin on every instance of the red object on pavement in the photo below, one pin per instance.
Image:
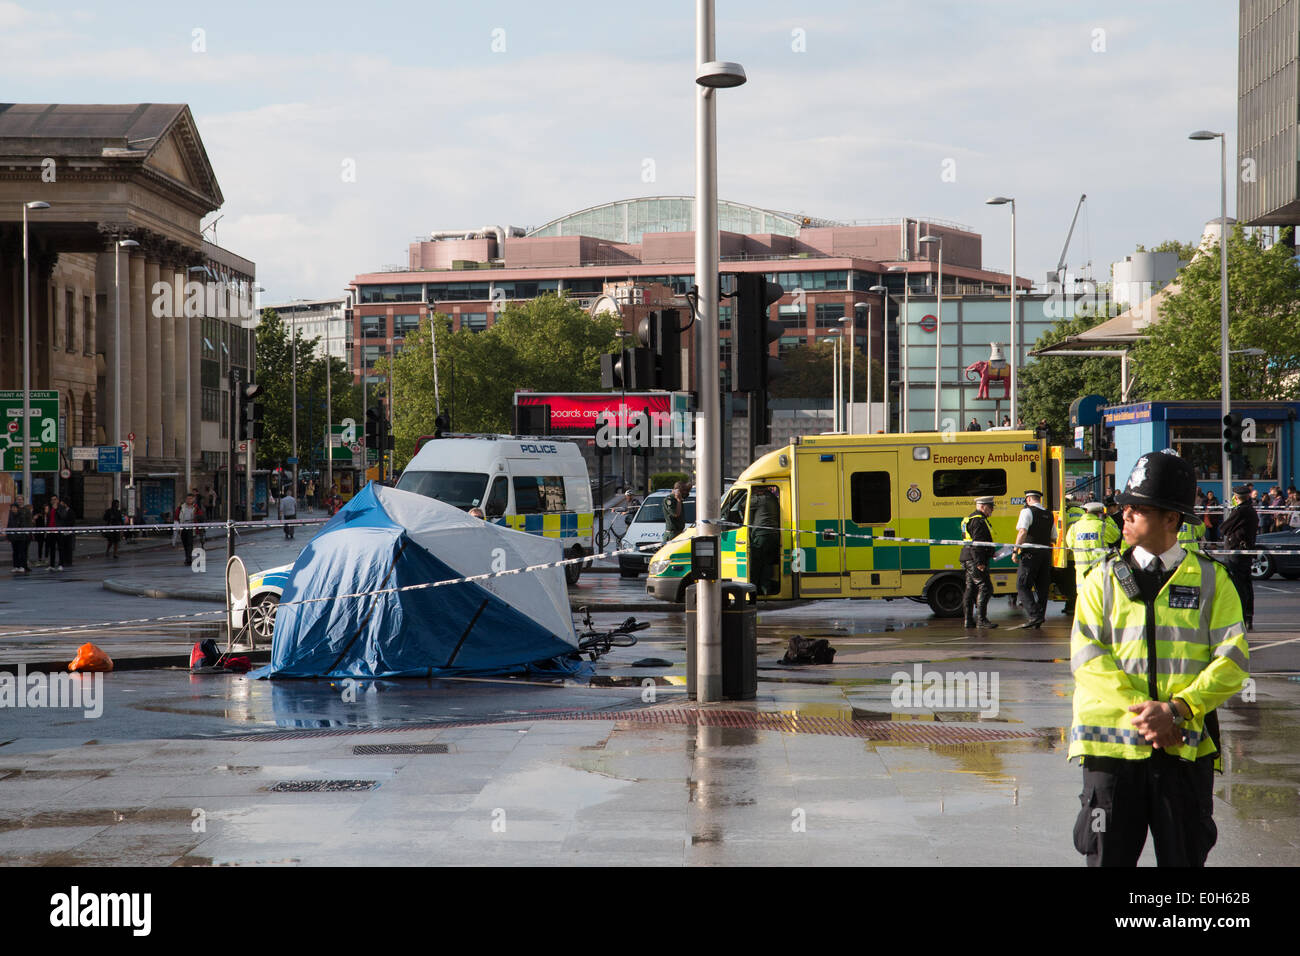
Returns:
(91, 658)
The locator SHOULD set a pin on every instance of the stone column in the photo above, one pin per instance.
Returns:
(195, 353)
(153, 358)
(171, 444)
(139, 416)
(181, 360)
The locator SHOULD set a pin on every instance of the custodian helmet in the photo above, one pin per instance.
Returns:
(1164, 480)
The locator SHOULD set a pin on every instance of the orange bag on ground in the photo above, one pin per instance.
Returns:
(91, 658)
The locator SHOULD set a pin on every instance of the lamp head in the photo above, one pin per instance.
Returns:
(720, 75)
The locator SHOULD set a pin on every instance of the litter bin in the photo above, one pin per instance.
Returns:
(739, 641)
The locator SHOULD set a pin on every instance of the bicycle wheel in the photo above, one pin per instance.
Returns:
(602, 539)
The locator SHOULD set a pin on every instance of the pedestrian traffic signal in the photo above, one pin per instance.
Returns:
(752, 332)
(252, 412)
(1232, 441)
(661, 333)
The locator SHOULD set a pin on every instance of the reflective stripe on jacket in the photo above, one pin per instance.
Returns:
(1201, 657)
(1088, 539)
(1190, 535)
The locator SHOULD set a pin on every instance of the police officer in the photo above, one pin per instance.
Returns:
(1034, 579)
(1064, 577)
(975, 559)
(765, 539)
(1113, 515)
(1089, 539)
(1238, 530)
(1157, 645)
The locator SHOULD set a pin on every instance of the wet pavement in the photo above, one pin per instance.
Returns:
(823, 767)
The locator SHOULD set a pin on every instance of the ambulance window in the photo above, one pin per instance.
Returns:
(538, 495)
(970, 482)
(733, 509)
(872, 498)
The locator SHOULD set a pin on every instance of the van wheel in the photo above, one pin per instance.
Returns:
(947, 596)
(573, 571)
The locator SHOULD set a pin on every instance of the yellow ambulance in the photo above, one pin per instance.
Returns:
(846, 500)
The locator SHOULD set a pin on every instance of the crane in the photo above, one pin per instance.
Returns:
(1059, 274)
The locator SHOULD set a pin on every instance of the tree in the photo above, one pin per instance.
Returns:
(1186, 250)
(546, 344)
(1181, 359)
(1046, 387)
(806, 372)
(274, 370)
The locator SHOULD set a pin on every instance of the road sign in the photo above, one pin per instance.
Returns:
(85, 453)
(291, 461)
(355, 447)
(341, 441)
(65, 473)
(110, 458)
(928, 323)
(242, 447)
(42, 430)
(130, 436)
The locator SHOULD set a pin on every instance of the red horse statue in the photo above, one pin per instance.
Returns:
(985, 373)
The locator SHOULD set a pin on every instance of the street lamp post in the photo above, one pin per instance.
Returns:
(623, 336)
(27, 360)
(118, 245)
(938, 331)
(836, 391)
(904, 391)
(1014, 351)
(883, 292)
(294, 438)
(1225, 400)
(710, 76)
(853, 347)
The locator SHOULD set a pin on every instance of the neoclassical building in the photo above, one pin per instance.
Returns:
(153, 328)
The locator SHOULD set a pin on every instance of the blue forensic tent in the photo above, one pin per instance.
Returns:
(385, 538)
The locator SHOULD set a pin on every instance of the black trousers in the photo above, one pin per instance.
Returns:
(21, 542)
(1122, 799)
(1239, 570)
(1034, 582)
(979, 588)
(67, 542)
(187, 544)
(764, 553)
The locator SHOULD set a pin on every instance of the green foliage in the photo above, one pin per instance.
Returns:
(274, 370)
(1185, 250)
(1181, 360)
(546, 344)
(1048, 385)
(807, 371)
(666, 479)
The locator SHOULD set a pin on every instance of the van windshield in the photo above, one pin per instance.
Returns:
(652, 512)
(461, 489)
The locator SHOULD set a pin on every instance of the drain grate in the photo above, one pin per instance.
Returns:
(323, 786)
(789, 723)
(367, 750)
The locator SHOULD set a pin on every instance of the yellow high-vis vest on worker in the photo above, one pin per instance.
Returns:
(1200, 656)
(1090, 539)
(1190, 534)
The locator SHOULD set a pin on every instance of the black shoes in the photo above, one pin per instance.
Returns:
(985, 623)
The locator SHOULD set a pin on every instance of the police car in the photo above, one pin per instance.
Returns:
(264, 590)
(648, 528)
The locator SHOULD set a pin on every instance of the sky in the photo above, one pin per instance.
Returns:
(341, 132)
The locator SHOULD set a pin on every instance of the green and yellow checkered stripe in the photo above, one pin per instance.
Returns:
(563, 525)
(866, 550)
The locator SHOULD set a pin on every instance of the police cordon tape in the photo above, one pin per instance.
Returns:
(73, 628)
(641, 549)
(173, 526)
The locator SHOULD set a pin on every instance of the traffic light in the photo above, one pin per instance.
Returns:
(1232, 441)
(374, 415)
(661, 333)
(252, 412)
(752, 332)
(631, 369)
(441, 425)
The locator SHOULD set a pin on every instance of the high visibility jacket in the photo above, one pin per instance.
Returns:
(1200, 656)
(1087, 539)
(975, 527)
(1190, 534)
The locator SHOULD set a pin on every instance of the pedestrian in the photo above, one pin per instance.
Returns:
(765, 539)
(1006, 421)
(311, 493)
(1213, 517)
(287, 510)
(973, 425)
(975, 559)
(20, 517)
(1034, 578)
(675, 510)
(1144, 725)
(1238, 531)
(62, 547)
(41, 519)
(112, 518)
(186, 515)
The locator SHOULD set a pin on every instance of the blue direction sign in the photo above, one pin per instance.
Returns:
(110, 457)
(291, 461)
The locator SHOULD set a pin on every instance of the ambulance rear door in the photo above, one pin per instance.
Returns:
(869, 491)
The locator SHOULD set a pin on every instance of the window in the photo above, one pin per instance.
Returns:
(460, 489)
(88, 420)
(392, 293)
(829, 314)
(87, 326)
(498, 497)
(474, 321)
(871, 500)
(793, 316)
(538, 495)
(970, 482)
(211, 405)
(69, 321)
(404, 325)
(460, 292)
(372, 326)
(1201, 444)
(733, 509)
(724, 316)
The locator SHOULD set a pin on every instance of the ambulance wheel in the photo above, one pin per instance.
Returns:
(573, 571)
(947, 596)
(261, 619)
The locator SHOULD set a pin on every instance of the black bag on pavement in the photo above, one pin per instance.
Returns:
(806, 650)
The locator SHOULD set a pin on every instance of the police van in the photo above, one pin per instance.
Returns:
(846, 499)
(537, 485)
